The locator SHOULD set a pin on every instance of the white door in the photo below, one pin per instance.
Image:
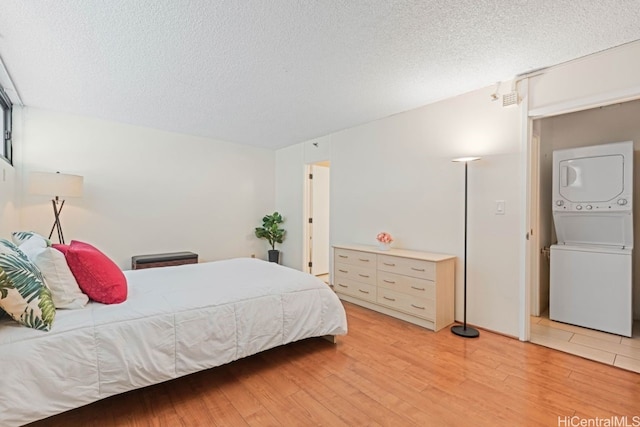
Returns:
(319, 219)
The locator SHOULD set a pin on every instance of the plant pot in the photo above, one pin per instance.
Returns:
(274, 255)
(383, 246)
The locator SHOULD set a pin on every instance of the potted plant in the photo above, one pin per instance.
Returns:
(270, 230)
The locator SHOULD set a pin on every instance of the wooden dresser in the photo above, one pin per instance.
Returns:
(414, 286)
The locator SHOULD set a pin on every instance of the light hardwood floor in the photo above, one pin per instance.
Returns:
(594, 345)
(385, 372)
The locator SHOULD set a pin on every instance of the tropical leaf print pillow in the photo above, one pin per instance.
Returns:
(23, 294)
(19, 237)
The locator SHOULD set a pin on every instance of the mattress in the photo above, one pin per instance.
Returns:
(176, 321)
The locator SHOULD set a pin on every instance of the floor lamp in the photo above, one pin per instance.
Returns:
(56, 185)
(464, 330)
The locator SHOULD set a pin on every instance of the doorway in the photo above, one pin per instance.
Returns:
(316, 219)
(598, 125)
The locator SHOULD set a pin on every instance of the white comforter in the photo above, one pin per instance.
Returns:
(176, 320)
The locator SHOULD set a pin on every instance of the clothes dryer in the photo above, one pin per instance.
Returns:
(590, 282)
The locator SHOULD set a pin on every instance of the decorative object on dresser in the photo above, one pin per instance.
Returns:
(464, 330)
(56, 185)
(163, 260)
(417, 287)
(384, 241)
(271, 231)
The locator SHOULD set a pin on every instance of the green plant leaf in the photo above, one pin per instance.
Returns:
(270, 230)
(5, 284)
(46, 305)
(25, 277)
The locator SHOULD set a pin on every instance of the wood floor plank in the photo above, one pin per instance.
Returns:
(385, 372)
(322, 392)
(262, 418)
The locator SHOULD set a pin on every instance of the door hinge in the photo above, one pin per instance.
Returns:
(310, 220)
(310, 264)
(7, 135)
(310, 176)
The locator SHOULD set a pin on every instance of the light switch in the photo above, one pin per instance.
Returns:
(499, 207)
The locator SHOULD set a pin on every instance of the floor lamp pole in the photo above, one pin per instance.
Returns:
(56, 222)
(464, 330)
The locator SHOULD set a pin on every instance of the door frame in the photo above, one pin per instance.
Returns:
(307, 210)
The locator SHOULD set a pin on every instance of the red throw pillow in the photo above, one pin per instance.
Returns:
(62, 248)
(98, 276)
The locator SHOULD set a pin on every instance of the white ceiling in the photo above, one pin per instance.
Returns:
(276, 72)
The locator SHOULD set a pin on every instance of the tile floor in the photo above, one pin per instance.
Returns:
(595, 345)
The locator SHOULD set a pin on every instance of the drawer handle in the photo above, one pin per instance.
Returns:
(342, 286)
(342, 271)
(390, 299)
(417, 269)
(418, 307)
(364, 292)
(363, 260)
(417, 289)
(390, 264)
(363, 275)
(343, 256)
(388, 281)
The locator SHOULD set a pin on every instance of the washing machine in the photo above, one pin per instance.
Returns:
(591, 264)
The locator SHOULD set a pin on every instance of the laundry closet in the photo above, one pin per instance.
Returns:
(590, 128)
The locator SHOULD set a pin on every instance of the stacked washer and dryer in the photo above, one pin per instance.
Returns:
(591, 281)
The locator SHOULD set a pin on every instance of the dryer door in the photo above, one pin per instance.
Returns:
(591, 179)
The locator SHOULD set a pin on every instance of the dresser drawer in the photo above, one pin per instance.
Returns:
(356, 289)
(407, 266)
(361, 274)
(419, 307)
(363, 259)
(421, 288)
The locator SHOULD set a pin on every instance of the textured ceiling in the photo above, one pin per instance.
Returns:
(275, 72)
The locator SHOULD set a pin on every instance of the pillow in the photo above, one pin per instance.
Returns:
(23, 294)
(58, 277)
(99, 277)
(20, 237)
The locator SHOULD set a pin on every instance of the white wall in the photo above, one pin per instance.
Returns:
(8, 200)
(148, 191)
(396, 175)
(608, 76)
(289, 198)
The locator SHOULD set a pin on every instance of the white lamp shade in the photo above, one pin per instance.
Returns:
(55, 184)
(465, 159)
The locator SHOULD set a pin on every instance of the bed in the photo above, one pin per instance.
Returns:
(175, 321)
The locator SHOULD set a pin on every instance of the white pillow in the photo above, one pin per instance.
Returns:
(57, 275)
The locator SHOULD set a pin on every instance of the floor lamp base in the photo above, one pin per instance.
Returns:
(465, 331)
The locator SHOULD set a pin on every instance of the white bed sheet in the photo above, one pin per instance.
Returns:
(176, 320)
